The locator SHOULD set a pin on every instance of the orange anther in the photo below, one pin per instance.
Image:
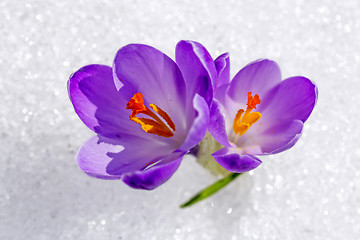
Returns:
(253, 101)
(136, 104)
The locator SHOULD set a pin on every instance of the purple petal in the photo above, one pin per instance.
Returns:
(141, 68)
(197, 67)
(221, 84)
(199, 126)
(284, 110)
(217, 126)
(93, 158)
(138, 153)
(233, 160)
(102, 156)
(287, 146)
(153, 177)
(277, 139)
(222, 64)
(258, 77)
(91, 88)
(98, 103)
(293, 98)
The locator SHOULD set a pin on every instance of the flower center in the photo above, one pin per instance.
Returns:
(244, 119)
(154, 125)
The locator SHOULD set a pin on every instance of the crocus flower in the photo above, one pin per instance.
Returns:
(146, 110)
(257, 113)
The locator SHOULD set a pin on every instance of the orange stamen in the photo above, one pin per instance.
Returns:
(154, 125)
(245, 119)
(253, 101)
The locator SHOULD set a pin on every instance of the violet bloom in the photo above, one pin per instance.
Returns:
(147, 111)
(257, 113)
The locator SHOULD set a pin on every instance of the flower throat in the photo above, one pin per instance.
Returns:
(154, 125)
(245, 119)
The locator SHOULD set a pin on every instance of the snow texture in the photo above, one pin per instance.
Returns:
(308, 192)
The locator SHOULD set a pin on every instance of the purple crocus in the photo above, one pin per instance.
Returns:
(257, 113)
(147, 111)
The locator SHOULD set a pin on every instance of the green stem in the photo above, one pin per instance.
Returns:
(207, 192)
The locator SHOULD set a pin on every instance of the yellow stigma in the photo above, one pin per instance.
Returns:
(154, 125)
(245, 119)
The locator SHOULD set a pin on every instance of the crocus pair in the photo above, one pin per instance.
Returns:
(149, 111)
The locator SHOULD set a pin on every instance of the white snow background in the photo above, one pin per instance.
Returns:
(308, 192)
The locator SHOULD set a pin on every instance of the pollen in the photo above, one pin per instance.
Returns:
(245, 119)
(164, 127)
